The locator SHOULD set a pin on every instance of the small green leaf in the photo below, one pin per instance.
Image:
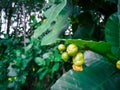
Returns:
(41, 69)
(55, 67)
(42, 75)
(22, 78)
(18, 61)
(27, 48)
(57, 56)
(32, 17)
(25, 63)
(40, 61)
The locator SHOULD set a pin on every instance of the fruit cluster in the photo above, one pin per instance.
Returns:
(72, 51)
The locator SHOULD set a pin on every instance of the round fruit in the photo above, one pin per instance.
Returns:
(78, 59)
(15, 78)
(9, 79)
(72, 49)
(65, 56)
(77, 68)
(61, 47)
(33, 69)
(118, 64)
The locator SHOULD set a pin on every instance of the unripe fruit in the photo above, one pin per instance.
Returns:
(77, 68)
(72, 49)
(78, 59)
(65, 56)
(61, 47)
(15, 78)
(33, 69)
(118, 64)
(9, 79)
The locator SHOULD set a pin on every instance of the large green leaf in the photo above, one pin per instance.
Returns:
(84, 32)
(55, 1)
(84, 27)
(51, 15)
(61, 24)
(100, 75)
(91, 57)
(103, 48)
(112, 32)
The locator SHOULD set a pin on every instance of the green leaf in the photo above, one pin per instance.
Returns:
(18, 61)
(100, 75)
(25, 62)
(32, 17)
(42, 75)
(103, 48)
(27, 48)
(91, 57)
(85, 27)
(40, 70)
(57, 56)
(55, 1)
(51, 15)
(40, 61)
(84, 32)
(61, 23)
(55, 67)
(46, 55)
(22, 77)
(112, 32)
(53, 35)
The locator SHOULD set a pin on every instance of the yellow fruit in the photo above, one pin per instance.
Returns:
(77, 68)
(72, 50)
(118, 64)
(65, 56)
(15, 78)
(9, 79)
(78, 59)
(33, 69)
(44, 20)
(61, 47)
